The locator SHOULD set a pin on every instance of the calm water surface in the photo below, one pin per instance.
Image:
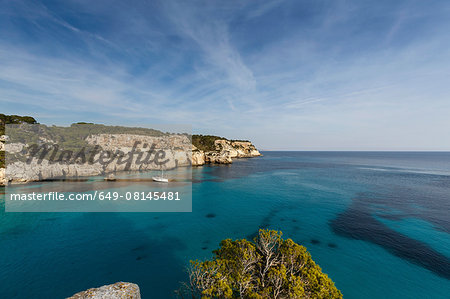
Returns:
(378, 223)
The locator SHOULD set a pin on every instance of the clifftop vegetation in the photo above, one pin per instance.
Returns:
(206, 142)
(268, 267)
(14, 119)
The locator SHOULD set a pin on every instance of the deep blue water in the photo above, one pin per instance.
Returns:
(378, 223)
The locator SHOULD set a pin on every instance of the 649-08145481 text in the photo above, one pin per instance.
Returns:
(150, 195)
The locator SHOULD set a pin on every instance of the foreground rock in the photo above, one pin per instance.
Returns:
(118, 290)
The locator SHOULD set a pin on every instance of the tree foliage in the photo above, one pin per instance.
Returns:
(2, 159)
(268, 267)
(205, 142)
(14, 119)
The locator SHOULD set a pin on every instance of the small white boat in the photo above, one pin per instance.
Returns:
(161, 178)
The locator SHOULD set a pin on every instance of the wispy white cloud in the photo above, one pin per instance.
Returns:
(211, 34)
(263, 7)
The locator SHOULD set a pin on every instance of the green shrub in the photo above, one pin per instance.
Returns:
(205, 142)
(14, 119)
(268, 267)
(2, 159)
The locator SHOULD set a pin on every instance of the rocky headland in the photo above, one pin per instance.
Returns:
(224, 152)
(179, 150)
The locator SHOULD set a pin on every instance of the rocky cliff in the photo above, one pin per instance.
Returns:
(176, 149)
(2, 177)
(224, 152)
(179, 150)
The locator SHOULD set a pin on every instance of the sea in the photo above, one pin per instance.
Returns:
(378, 223)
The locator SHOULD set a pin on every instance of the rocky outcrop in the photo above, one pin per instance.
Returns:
(21, 172)
(218, 158)
(118, 290)
(2, 177)
(177, 148)
(237, 149)
(225, 152)
(198, 156)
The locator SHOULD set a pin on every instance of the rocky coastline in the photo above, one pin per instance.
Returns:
(224, 153)
(180, 152)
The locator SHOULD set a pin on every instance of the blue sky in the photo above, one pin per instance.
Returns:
(290, 75)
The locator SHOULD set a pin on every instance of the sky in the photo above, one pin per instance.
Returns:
(287, 75)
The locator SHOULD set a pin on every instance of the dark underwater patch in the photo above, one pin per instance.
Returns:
(361, 225)
(140, 247)
(332, 245)
(51, 219)
(210, 215)
(315, 241)
(267, 220)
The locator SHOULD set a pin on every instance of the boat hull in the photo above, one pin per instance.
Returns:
(160, 179)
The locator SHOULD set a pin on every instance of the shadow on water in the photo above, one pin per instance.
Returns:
(266, 221)
(359, 223)
(395, 196)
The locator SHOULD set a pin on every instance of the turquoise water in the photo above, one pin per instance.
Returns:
(377, 223)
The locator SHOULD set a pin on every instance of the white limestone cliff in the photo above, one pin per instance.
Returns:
(225, 152)
(178, 149)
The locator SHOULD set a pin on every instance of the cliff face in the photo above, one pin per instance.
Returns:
(178, 150)
(225, 152)
(176, 147)
(2, 159)
(2, 177)
(237, 149)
